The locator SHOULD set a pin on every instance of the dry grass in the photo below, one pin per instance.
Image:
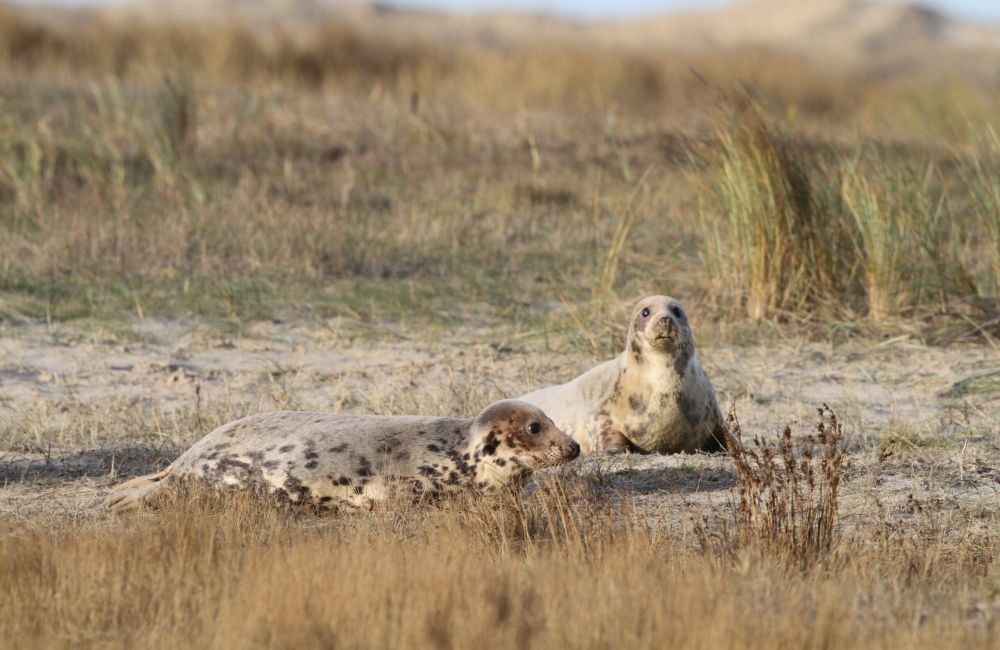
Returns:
(808, 229)
(580, 561)
(780, 232)
(562, 566)
(216, 170)
(788, 499)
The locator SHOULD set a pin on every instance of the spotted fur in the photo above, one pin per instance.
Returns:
(330, 460)
(654, 397)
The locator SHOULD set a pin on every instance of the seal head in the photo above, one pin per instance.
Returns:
(660, 327)
(511, 438)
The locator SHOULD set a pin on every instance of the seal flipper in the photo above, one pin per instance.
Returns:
(716, 441)
(615, 442)
(130, 495)
(720, 438)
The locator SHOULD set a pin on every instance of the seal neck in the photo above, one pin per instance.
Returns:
(672, 361)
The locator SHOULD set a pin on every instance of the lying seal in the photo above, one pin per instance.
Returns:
(330, 460)
(653, 398)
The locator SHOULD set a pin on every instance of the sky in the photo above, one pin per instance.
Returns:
(987, 10)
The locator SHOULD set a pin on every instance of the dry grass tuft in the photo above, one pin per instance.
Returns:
(781, 248)
(788, 497)
(553, 567)
(796, 229)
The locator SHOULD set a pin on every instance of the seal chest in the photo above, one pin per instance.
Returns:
(654, 397)
(330, 460)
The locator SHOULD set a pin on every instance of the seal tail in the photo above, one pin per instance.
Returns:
(131, 494)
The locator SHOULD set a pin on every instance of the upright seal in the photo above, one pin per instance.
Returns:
(654, 397)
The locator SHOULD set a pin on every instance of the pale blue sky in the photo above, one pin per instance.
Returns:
(979, 9)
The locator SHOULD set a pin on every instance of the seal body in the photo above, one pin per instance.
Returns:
(330, 460)
(654, 397)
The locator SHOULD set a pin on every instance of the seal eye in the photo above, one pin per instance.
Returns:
(534, 428)
(677, 311)
(645, 312)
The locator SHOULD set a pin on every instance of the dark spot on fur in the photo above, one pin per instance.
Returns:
(682, 356)
(312, 464)
(636, 350)
(230, 463)
(490, 444)
(270, 464)
(403, 455)
(636, 404)
(364, 470)
(359, 489)
(500, 462)
(689, 408)
(433, 448)
(286, 448)
(297, 489)
(427, 470)
(339, 448)
(461, 462)
(343, 480)
(616, 391)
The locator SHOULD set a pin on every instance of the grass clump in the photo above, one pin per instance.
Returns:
(801, 230)
(905, 238)
(781, 249)
(788, 505)
(507, 570)
(984, 183)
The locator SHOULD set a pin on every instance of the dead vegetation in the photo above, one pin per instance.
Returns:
(182, 169)
(845, 233)
(787, 497)
(566, 564)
